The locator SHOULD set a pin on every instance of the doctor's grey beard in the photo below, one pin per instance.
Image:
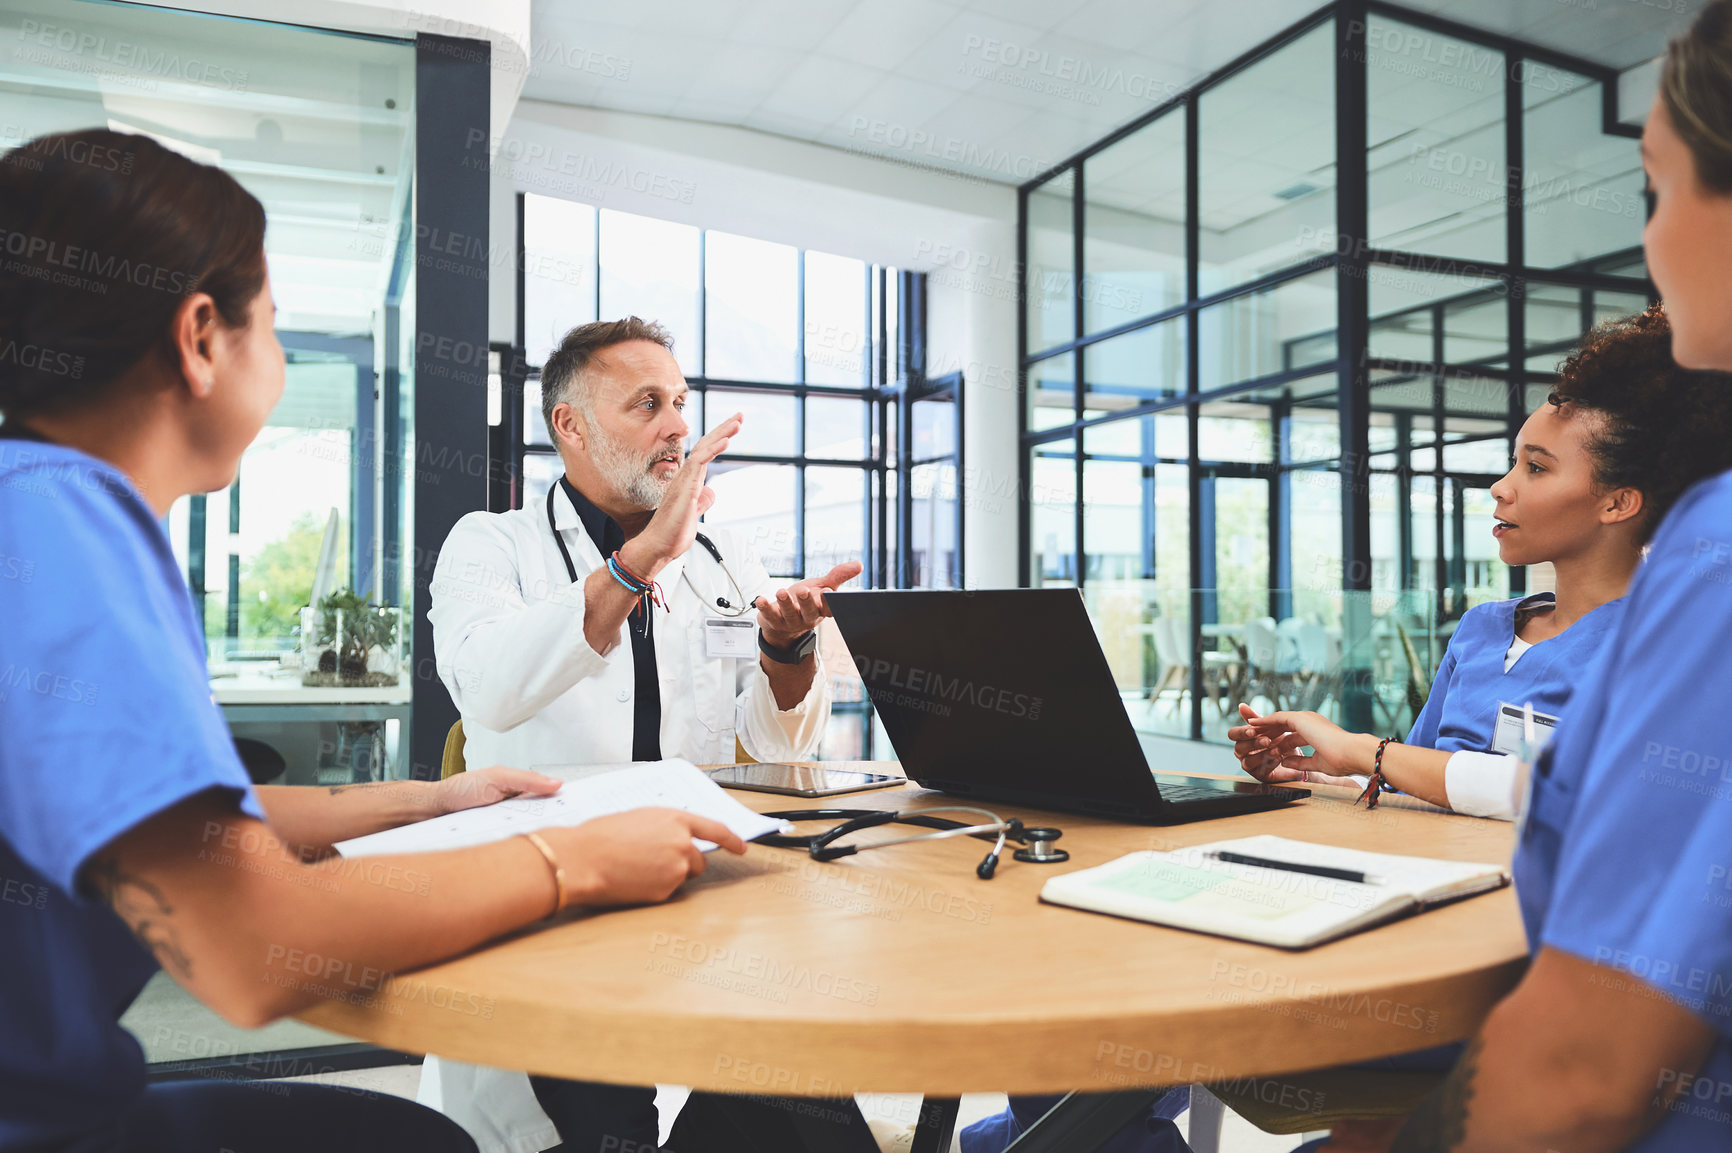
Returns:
(627, 472)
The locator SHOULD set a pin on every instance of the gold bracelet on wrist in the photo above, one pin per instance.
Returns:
(560, 898)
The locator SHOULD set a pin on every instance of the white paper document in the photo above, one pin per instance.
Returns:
(671, 784)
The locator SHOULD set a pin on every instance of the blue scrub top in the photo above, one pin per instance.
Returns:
(1626, 857)
(1461, 712)
(106, 718)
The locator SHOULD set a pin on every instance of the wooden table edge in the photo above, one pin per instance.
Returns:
(1249, 1036)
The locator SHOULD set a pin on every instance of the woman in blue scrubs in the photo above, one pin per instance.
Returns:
(1596, 469)
(1620, 1034)
(137, 362)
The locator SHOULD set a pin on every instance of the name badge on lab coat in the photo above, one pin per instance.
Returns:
(730, 637)
(1508, 736)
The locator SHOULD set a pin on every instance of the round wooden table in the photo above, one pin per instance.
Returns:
(900, 971)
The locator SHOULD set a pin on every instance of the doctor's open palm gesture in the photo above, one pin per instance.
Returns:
(797, 609)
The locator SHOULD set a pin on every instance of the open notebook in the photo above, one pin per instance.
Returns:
(1190, 889)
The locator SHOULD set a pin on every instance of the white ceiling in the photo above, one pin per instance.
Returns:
(1614, 34)
(995, 89)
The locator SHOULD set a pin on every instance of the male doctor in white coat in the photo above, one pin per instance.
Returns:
(553, 659)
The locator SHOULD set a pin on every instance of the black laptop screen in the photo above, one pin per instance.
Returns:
(1000, 693)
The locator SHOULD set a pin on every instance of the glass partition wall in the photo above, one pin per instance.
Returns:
(1277, 338)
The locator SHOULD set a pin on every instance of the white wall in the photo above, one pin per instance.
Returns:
(962, 231)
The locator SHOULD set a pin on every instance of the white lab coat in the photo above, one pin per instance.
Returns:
(509, 645)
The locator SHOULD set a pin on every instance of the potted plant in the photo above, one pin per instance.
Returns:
(348, 643)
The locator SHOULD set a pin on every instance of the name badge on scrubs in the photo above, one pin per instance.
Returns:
(1527, 733)
(1510, 737)
(730, 637)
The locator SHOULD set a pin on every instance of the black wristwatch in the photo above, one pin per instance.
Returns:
(802, 648)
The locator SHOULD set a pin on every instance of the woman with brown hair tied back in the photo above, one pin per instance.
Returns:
(137, 362)
(1619, 1036)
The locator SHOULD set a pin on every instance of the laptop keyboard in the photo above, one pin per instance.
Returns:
(1178, 790)
(1179, 794)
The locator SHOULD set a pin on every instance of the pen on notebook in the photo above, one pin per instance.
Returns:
(1294, 867)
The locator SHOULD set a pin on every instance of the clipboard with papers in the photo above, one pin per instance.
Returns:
(596, 791)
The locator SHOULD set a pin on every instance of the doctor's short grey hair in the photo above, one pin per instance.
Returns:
(562, 375)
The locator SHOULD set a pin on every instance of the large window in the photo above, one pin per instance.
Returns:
(846, 454)
(1185, 360)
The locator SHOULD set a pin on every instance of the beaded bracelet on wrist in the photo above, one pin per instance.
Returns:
(643, 588)
(1375, 787)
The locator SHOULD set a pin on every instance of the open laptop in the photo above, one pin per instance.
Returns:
(1005, 695)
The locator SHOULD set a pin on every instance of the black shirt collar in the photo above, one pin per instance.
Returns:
(602, 529)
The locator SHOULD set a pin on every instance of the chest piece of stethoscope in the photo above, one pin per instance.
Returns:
(1039, 848)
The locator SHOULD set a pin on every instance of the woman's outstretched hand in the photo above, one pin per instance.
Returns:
(1261, 751)
(1269, 746)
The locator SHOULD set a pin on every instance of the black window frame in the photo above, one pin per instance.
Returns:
(1352, 368)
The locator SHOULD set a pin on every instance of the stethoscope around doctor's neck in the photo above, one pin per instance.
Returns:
(723, 605)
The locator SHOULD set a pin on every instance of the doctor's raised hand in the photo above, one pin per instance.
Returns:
(674, 526)
(668, 533)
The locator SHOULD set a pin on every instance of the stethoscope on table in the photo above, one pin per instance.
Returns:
(1037, 842)
(724, 606)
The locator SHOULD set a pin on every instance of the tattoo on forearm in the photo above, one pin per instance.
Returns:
(1440, 1121)
(146, 911)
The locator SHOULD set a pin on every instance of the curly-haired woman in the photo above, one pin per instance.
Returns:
(1596, 469)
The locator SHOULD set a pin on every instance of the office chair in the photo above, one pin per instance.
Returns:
(262, 762)
(452, 762)
(1337, 1095)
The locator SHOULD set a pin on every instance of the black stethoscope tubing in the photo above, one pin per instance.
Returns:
(822, 847)
(565, 553)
